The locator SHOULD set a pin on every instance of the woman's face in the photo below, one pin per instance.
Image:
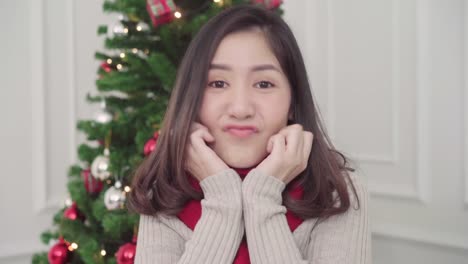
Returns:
(246, 100)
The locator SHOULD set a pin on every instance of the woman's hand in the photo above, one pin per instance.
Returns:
(289, 153)
(201, 160)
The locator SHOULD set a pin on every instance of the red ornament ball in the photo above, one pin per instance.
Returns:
(126, 254)
(156, 135)
(150, 145)
(92, 185)
(106, 67)
(270, 4)
(58, 253)
(73, 213)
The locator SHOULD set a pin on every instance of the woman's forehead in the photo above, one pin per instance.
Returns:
(244, 50)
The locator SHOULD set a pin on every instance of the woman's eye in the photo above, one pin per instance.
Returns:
(217, 84)
(264, 84)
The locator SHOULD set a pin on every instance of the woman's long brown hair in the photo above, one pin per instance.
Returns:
(160, 183)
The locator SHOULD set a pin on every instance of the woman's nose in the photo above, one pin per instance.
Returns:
(241, 104)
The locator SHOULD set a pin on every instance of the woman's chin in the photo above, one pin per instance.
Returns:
(243, 161)
(241, 156)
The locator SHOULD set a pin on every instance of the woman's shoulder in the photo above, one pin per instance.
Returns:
(356, 189)
(358, 196)
(356, 186)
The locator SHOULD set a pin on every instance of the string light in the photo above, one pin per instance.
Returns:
(139, 28)
(119, 66)
(127, 189)
(73, 246)
(216, 1)
(103, 252)
(109, 61)
(122, 55)
(126, 30)
(134, 50)
(177, 14)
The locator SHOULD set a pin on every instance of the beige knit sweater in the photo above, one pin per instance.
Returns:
(231, 207)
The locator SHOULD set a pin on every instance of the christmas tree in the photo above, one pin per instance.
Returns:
(134, 82)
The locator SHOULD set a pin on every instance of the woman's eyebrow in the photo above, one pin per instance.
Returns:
(264, 67)
(220, 67)
(261, 67)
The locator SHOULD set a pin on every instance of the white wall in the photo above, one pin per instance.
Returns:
(47, 49)
(389, 76)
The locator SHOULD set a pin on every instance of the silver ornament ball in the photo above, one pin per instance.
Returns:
(103, 117)
(119, 30)
(100, 167)
(114, 198)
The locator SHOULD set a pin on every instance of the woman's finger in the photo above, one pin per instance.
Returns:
(195, 126)
(278, 146)
(207, 136)
(270, 145)
(294, 139)
(199, 141)
(308, 141)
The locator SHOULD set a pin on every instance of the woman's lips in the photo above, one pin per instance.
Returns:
(240, 131)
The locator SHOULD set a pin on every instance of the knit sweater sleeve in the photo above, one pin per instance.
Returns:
(216, 236)
(341, 239)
